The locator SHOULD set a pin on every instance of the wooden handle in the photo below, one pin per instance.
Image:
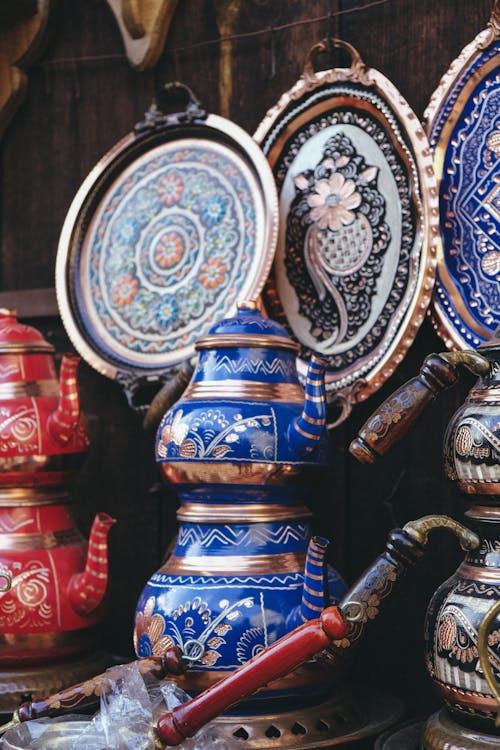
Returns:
(277, 660)
(397, 415)
(86, 695)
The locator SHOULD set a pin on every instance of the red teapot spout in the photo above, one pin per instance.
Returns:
(86, 590)
(306, 430)
(315, 592)
(62, 423)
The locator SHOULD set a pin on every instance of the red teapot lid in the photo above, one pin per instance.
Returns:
(16, 337)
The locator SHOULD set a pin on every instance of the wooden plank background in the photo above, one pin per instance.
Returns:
(82, 97)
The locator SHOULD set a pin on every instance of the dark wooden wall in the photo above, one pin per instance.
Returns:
(82, 97)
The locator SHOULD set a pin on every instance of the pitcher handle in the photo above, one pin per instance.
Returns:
(482, 647)
(396, 416)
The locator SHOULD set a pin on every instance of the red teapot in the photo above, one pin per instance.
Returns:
(42, 432)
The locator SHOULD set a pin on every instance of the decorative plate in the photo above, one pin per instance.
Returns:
(174, 225)
(463, 124)
(355, 262)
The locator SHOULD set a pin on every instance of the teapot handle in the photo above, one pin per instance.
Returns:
(397, 415)
(482, 647)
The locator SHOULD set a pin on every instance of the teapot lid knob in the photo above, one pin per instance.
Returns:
(247, 304)
(8, 312)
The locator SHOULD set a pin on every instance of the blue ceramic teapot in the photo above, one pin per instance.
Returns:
(241, 447)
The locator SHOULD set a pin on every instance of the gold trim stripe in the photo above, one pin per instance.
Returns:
(304, 433)
(245, 389)
(198, 512)
(235, 564)
(29, 389)
(50, 540)
(479, 573)
(218, 340)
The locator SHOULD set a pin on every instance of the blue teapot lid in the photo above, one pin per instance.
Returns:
(247, 328)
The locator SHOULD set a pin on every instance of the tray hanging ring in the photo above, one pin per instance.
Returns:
(325, 46)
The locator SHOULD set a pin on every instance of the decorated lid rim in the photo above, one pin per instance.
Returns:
(239, 340)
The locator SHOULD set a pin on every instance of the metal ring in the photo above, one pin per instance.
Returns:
(358, 616)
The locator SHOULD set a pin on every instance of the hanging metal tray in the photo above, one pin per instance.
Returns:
(174, 225)
(355, 262)
(463, 124)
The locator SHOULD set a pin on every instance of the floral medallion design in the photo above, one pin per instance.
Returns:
(349, 256)
(170, 248)
(336, 240)
(191, 627)
(215, 434)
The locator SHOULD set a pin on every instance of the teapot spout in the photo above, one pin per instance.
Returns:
(62, 423)
(86, 590)
(306, 430)
(315, 591)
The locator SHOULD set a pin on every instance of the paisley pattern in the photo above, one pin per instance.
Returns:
(173, 238)
(346, 265)
(336, 240)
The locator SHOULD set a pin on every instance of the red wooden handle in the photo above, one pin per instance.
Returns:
(277, 660)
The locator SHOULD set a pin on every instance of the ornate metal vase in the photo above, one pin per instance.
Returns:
(472, 460)
(241, 448)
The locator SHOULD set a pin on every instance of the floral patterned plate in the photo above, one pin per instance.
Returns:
(355, 262)
(463, 125)
(174, 225)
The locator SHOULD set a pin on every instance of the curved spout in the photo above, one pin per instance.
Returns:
(306, 430)
(315, 591)
(86, 590)
(63, 421)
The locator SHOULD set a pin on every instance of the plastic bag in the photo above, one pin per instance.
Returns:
(130, 707)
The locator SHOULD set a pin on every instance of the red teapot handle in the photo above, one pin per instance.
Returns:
(276, 661)
(397, 415)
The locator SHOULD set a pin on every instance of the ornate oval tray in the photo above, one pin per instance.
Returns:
(170, 228)
(354, 266)
(463, 125)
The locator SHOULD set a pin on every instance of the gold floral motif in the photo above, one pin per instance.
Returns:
(149, 631)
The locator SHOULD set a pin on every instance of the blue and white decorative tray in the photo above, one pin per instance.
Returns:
(463, 125)
(174, 225)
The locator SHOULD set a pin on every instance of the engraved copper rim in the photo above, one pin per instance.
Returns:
(466, 699)
(232, 564)
(479, 573)
(259, 513)
(479, 486)
(28, 389)
(215, 129)
(15, 496)
(225, 472)
(484, 512)
(24, 347)
(351, 386)
(446, 329)
(233, 340)
(22, 541)
(240, 389)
